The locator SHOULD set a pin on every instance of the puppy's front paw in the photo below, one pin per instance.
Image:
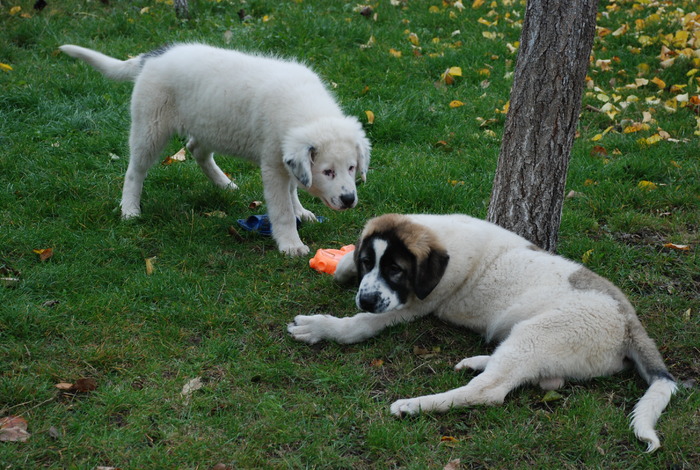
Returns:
(406, 407)
(294, 250)
(474, 363)
(305, 215)
(308, 328)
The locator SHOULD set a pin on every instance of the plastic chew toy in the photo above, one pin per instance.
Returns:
(326, 259)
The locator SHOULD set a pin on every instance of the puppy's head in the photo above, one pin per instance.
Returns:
(326, 157)
(397, 261)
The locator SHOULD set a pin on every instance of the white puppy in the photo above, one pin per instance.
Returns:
(274, 112)
(554, 319)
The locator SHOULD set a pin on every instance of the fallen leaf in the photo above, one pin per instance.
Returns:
(179, 156)
(660, 83)
(84, 385)
(191, 386)
(646, 185)
(413, 38)
(456, 104)
(149, 265)
(13, 429)
(452, 465)
(599, 150)
(370, 117)
(65, 386)
(254, 205)
(395, 53)
(44, 253)
(376, 363)
(673, 246)
(5, 67)
(586, 257)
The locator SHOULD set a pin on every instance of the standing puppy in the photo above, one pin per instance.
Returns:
(554, 319)
(274, 112)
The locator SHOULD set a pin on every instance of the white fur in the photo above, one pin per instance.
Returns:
(274, 112)
(554, 320)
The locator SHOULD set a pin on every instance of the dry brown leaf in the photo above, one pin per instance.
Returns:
(673, 246)
(13, 429)
(453, 465)
(65, 386)
(84, 385)
(44, 253)
(254, 205)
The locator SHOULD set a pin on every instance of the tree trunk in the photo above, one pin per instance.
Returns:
(181, 9)
(555, 46)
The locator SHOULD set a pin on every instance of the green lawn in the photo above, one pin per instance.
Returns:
(216, 304)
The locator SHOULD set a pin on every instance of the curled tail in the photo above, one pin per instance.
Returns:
(124, 70)
(662, 385)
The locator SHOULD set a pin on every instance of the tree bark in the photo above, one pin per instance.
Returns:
(182, 10)
(545, 100)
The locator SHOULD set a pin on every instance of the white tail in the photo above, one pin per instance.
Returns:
(123, 70)
(647, 411)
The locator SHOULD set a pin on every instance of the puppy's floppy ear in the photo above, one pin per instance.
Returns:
(429, 271)
(364, 148)
(298, 160)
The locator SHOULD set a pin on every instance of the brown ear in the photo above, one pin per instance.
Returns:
(429, 272)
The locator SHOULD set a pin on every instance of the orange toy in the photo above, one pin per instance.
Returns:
(326, 259)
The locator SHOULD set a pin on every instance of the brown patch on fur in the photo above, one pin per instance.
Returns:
(418, 239)
(585, 279)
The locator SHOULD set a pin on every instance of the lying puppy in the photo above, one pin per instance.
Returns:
(274, 112)
(554, 319)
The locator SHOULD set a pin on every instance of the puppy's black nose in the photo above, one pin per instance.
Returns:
(348, 200)
(369, 302)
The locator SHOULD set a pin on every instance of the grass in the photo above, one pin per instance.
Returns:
(216, 305)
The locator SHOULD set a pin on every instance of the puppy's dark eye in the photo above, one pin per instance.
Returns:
(351, 169)
(395, 271)
(366, 263)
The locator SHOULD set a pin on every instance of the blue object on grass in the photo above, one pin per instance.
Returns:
(261, 224)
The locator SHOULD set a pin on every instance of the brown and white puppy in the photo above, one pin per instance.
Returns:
(554, 319)
(276, 113)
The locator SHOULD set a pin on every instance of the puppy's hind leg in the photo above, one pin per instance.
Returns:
(517, 361)
(205, 160)
(150, 131)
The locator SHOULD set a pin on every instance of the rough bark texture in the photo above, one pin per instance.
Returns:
(555, 46)
(182, 10)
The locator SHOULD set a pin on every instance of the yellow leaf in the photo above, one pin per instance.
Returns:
(455, 71)
(395, 53)
(144, 10)
(586, 257)
(370, 117)
(484, 22)
(15, 10)
(477, 3)
(434, 9)
(5, 67)
(653, 139)
(456, 104)
(635, 127)
(646, 185)
(149, 265)
(660, 83)
(413, 37)
(489, 34)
